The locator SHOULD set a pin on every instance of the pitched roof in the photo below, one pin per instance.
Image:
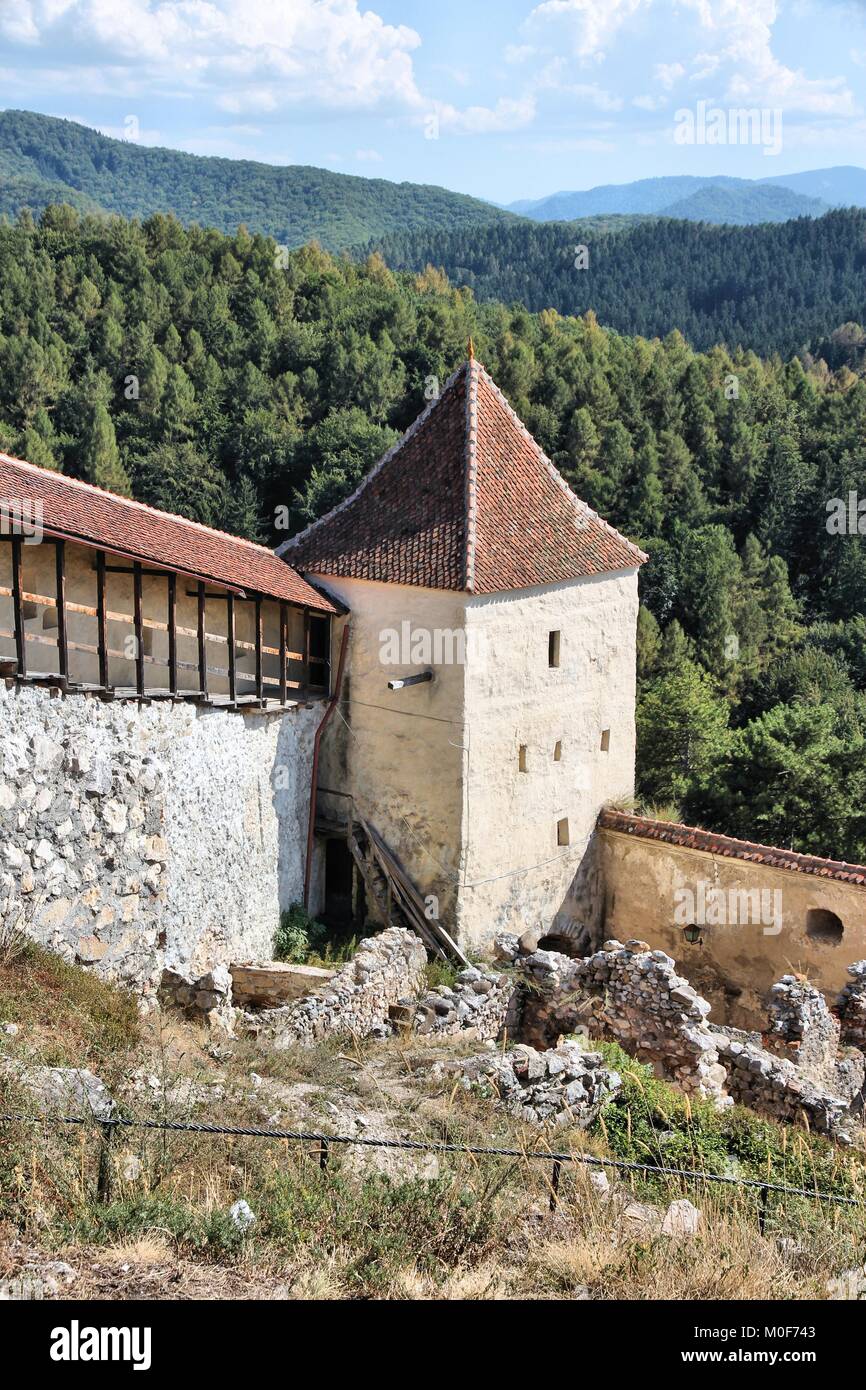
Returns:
(690, 837)
(465, 500)
(81, 512)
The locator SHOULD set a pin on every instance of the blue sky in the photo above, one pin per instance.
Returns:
(504, 99)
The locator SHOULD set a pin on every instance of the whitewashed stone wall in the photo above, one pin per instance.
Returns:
(137, 837)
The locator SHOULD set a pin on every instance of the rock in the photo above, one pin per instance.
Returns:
(242, 1216)
(682, 1219)
(69, 1090)
(90, 949)
(850, 1285)
(10, 1029)
(130, 1167)
(600, 1183)
(528, 941)
(642, 1219)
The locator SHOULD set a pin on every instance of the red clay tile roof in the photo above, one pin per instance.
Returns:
(87, 514)
(465, 500)
(689, 837)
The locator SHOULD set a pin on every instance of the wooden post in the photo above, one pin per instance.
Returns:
(284, 626)
(172, 633)
(202, 646)
(60, 586)
(17, 589)
(259, 685)
(139, 629)
(230, 631)
(308, 675)
(101, 620)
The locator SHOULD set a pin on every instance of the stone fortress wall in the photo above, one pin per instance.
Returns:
(141, 836)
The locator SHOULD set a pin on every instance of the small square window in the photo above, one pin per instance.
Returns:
(553, 649)
(605, 740)
(562, 831)
(521, 757)
(557, 751)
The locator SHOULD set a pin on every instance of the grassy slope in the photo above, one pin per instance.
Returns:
(378, 1223)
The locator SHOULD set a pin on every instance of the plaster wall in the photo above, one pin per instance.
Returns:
(517, 874)
(401, 755)
(734, 966)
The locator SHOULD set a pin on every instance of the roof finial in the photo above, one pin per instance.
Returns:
(471, 347)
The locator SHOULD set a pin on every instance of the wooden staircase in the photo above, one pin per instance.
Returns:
(394, 893)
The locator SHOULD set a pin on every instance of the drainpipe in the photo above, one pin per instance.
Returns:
(314, 780)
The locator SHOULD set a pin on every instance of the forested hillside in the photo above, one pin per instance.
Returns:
(44, 160)
(772, 288)
(197, 371)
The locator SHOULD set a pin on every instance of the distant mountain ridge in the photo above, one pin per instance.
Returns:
(46, 160)
(711, 198)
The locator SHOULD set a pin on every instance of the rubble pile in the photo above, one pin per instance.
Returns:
(562, 1086)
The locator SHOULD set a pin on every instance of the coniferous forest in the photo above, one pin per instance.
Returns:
(214, 376)
(771, 287)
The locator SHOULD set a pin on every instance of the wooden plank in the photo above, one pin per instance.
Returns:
(60, 584)
(230, 630)
(17, 589)
(202, 649)
(259, 690)
(284, 642)
(101, 620)
(172, 633)
(139, 632)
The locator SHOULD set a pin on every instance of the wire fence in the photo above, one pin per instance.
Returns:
(109, 1125)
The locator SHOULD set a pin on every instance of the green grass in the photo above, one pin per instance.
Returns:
(75, 1017)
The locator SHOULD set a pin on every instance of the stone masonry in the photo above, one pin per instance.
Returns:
(135, 837)
(634, 996)
(386, 970)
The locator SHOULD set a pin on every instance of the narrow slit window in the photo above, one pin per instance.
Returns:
(521, 757)
(553, 648)
(605, 740)
(557, 751)
(562, 831)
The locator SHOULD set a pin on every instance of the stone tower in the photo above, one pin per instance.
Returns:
(464, 554)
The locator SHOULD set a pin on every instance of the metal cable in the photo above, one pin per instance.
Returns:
(550, 1156)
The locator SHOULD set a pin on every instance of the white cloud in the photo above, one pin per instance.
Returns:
(257, 55)
(668, 74)
(509, 113)
(590, 24)
(368, 156)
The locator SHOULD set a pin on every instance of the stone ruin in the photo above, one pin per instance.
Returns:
(562, 1086)
(809, 1066)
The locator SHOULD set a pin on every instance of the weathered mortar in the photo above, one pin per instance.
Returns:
(136, 836)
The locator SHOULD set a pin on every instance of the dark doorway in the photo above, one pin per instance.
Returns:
(338, 884)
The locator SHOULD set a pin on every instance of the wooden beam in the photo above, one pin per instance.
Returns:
(172, 633)
(60, 569)
(230, 631)
(101, 620)
(259, 685)
(202, 650)
(139, 631)
(17, 590)
(284, 642)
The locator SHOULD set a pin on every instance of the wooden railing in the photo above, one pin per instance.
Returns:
(315, 669)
